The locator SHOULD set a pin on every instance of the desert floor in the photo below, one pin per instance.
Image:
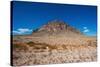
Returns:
(53, 50)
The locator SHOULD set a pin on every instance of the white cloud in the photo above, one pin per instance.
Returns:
(84, 27)
(85, 30)
(16, 32)
(22, 31)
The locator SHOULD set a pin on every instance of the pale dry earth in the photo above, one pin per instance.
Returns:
(53, 50)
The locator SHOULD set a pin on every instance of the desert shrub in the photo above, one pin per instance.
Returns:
(92, 43)
(38, 45)
(19, 46)
(64, 46)
(31, 43)
(53, 47)
(41, 46)
(34, 43)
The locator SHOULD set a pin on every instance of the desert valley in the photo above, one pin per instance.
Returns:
(53, 43)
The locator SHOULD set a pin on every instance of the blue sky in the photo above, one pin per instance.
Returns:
(27, 16)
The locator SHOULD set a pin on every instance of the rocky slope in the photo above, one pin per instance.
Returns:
(56, 27)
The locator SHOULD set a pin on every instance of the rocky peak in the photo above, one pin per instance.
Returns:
(58, 26)
(54, 26)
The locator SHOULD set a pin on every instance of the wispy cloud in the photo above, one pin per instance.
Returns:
(22, 31)
(85, 30)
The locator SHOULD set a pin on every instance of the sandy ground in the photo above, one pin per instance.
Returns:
(53, 50)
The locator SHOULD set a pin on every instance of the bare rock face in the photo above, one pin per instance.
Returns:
(56, 27)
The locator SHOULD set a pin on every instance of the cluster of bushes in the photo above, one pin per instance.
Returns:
(41, 45)
(19, 46)
(37, 45)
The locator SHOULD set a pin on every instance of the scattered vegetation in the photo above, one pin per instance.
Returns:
(19, 46)
(80, 50)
